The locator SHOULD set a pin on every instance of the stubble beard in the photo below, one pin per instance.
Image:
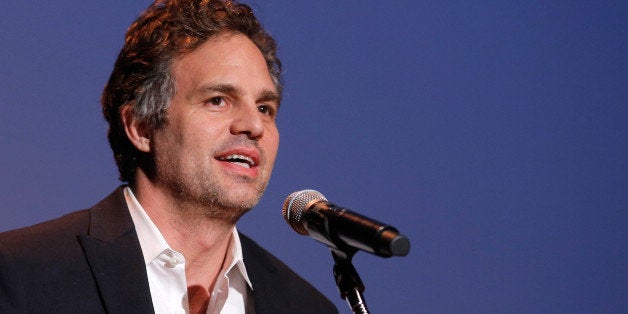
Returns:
(199, 195)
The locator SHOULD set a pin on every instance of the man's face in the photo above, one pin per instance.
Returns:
(219, 144)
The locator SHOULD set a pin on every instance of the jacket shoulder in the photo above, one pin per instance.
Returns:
(276, 287)
(46, 235)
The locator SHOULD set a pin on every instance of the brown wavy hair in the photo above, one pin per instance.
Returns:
(141, 77)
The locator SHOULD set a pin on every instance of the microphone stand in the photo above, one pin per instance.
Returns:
(348, 280)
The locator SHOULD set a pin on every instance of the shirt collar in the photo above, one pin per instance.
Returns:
(151, 240)
(235, 247)
(153, 243)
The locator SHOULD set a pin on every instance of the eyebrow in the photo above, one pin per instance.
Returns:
(263, 95)
(268, 95)
(224, 88)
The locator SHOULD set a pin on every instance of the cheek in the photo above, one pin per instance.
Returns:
(271, 145)
(199, 133)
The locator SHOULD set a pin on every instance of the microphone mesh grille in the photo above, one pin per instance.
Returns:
(296, 205)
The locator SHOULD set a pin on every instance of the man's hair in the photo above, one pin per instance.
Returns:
(141, 78)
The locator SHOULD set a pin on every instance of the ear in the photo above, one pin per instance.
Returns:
(137, 132)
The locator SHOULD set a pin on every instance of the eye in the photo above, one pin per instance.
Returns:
(216, 102)
(266, 110)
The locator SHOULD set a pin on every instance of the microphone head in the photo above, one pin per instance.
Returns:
(296, 205)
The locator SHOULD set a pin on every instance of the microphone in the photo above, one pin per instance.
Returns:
(309, 213)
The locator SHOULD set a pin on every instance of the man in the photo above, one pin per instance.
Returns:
(191, 106)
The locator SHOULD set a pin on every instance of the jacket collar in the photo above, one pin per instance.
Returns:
(114, 255)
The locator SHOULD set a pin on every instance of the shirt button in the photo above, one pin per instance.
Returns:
(172, 262)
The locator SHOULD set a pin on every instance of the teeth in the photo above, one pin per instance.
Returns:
(241, 160)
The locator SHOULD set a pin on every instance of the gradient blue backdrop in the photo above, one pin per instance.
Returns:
(492, 133)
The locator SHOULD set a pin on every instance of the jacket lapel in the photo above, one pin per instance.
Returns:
(262, 275)
(276, 288)
(113, 252)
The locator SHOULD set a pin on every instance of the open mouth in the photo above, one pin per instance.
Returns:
(240, 160)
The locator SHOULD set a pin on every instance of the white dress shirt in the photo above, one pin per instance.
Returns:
(165, 268)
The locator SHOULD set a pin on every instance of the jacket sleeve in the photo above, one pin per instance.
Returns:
(12, 294)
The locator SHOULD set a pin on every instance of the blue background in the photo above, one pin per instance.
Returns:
(492, 133)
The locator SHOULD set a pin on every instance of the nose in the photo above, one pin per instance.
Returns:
(248, 120)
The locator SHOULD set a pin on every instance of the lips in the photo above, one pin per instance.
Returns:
(242, 158)
(237, 159)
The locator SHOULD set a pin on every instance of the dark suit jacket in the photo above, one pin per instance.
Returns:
(90, 261)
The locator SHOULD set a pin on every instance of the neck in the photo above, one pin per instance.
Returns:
(202, 241)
